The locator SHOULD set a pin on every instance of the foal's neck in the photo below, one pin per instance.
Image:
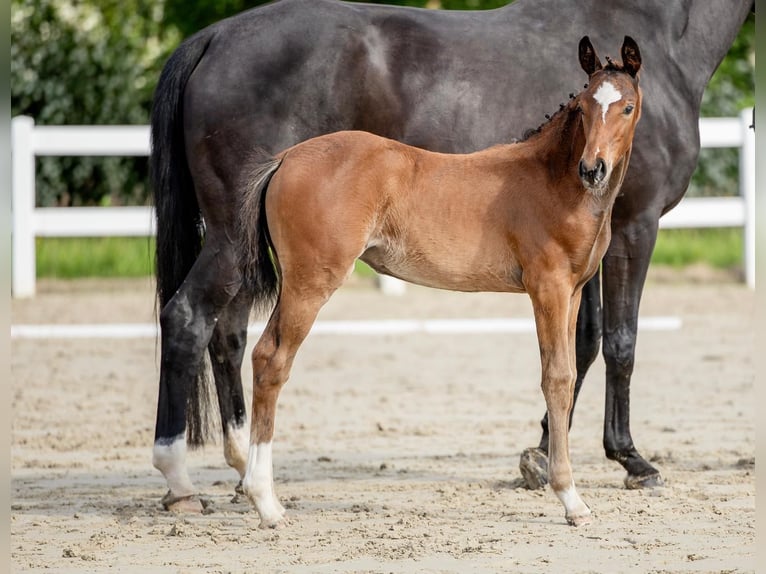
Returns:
(561, 141)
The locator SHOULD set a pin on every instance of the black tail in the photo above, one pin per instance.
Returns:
(259, 273)
(179, 233)
(179, 223)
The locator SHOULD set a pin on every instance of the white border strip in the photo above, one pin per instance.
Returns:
(374, 328)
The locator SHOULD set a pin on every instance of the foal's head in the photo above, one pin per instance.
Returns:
(610, 107)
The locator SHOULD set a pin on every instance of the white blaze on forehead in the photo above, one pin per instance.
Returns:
(605, 95)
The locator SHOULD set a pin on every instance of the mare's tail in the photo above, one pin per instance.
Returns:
(259, 273)
(178, 218)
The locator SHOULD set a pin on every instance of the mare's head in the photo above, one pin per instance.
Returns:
(610, 107)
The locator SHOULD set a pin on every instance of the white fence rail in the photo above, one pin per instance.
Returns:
(29, 141)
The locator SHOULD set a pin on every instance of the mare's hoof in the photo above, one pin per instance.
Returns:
(653, 480)
(534, 468)
(580, 520)
(238, 498)
(239, 494)
(192, 504)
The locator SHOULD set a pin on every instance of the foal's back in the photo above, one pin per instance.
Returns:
(461, 222)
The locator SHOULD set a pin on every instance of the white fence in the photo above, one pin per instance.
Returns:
(29, 141)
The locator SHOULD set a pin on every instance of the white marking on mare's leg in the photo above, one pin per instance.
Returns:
(605, 95)
(235, 447)
(258, 484)
(170, 460)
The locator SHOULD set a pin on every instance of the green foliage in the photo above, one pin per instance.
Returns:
(473, 4)
(86, 63)
(731, 88)
(189, 17)
(362, 269)
(411, 3)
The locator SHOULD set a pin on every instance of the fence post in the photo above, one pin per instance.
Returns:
(747, 190)
(23, 205)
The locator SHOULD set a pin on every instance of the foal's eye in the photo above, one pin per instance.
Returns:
(628, 109)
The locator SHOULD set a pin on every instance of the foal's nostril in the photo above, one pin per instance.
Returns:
(599, 170)
(593, 175)
(582, 169)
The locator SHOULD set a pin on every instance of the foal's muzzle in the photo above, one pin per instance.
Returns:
(592, 175)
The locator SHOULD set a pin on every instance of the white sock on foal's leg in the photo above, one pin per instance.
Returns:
(577, 512)
(236, 443)
(259, 485)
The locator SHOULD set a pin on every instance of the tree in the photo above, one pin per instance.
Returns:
(189, 17)
(87, 63)
(731, 89)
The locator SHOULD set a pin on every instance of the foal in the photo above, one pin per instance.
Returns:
(528, 217)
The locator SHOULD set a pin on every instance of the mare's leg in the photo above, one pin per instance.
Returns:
(227, 347)
(534, 461)
(624, 273)
(187, 323)
(555, 316)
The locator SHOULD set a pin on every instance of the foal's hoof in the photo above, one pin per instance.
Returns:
(533, 466)
(275, 524)
(192, 504)
(653, 480)
(580, 519)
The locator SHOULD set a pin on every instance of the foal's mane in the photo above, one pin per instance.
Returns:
(564, 109)
(569, 107)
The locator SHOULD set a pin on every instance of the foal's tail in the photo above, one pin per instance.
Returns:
(260, 275)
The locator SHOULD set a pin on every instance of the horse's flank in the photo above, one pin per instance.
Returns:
(443, 220)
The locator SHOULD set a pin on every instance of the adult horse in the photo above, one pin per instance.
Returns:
(444, 81)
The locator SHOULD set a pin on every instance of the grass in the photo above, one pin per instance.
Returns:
(721, 248)
(134, 256)
(68, 258)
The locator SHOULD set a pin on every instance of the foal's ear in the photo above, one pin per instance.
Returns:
(588, 58)
(631, 56)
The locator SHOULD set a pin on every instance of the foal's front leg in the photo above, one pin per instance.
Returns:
(556, 316)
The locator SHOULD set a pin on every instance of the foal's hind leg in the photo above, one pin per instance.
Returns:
(272, 359)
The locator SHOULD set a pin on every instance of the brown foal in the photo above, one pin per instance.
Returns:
(531, 217)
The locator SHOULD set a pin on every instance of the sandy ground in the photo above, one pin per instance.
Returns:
(394, 453)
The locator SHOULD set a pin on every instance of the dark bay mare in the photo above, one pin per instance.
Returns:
(530, 217)
(445, 81)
